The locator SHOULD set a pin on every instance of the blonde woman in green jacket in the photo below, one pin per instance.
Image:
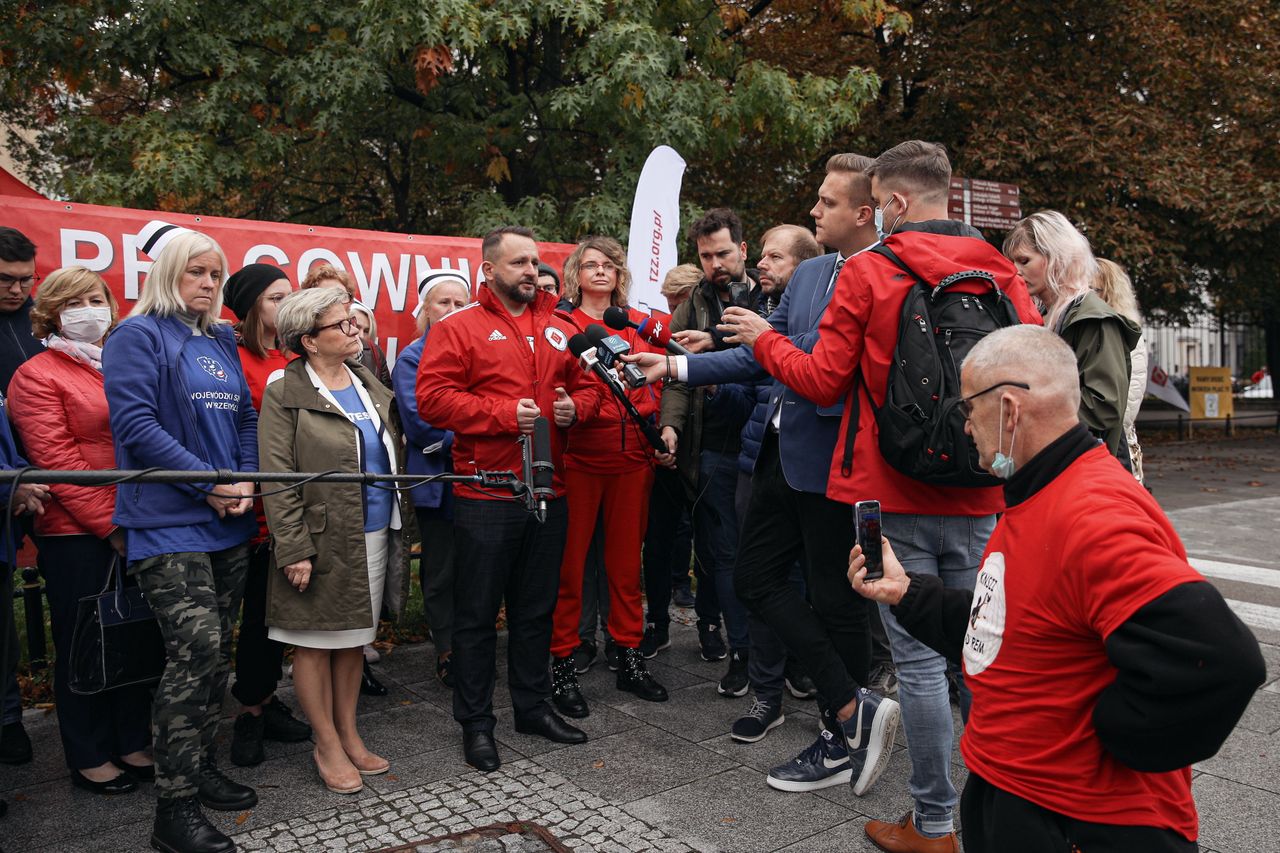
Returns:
(1060, 270)
(339, 549)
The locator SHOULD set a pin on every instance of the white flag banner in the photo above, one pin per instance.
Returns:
(655, 227)
(1159, 386)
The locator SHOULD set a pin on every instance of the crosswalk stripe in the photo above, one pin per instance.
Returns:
(1236, 572)
(1256, 615)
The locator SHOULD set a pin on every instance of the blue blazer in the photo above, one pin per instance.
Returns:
(808, 432)
(430, 448)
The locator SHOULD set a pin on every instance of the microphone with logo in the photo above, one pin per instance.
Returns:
(609, 348)
(543, 469)
(581, 346)
(651, 330)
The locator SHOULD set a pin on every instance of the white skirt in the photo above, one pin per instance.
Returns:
(375, 546)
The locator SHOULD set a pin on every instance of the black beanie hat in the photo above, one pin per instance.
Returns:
(547, 269)
(241, 291)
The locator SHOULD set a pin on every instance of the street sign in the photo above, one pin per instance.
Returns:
(984, 204)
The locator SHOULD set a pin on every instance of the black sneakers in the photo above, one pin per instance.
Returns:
(798, 684)
(711, 641)
(246, 740)
(756, 723)
(181, 827)
(280, 725)
(583, 656)
(634, 677)
(734, 683)
(565, 692)
(612, 654)
(656, 638)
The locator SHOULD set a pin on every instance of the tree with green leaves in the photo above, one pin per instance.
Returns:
(444, 117)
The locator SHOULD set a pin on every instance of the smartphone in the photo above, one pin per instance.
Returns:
(867, 515)
(740, 294)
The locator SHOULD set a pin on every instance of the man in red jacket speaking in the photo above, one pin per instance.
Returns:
(487, 372)
(1101, 664)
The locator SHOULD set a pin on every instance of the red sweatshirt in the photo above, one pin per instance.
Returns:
(860, 329)
(610, 442)
(477, 364)
(1060, 574)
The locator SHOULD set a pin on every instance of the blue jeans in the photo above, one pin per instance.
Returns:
(948, 546)
(715, 539)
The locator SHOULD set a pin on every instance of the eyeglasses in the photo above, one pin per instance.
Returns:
(345, 326)
(591, 266)
(965, 405)
(8, 281)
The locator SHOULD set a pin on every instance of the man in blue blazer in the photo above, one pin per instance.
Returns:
(789, 513)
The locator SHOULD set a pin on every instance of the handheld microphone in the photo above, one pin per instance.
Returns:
(580, 345)
(651, 330)
(609, 347)
(542, 467)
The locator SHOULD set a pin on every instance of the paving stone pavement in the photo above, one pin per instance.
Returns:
(666, 777)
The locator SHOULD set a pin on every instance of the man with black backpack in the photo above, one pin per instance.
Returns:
(902, 317)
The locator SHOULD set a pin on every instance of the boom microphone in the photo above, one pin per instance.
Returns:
(651, 330)
(581, 346)
(543, 468)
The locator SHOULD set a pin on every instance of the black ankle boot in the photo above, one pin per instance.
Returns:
(565, 692)
(634, 677)
(218, 792)
(181, 827)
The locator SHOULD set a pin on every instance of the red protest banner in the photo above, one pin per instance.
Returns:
(385, 267)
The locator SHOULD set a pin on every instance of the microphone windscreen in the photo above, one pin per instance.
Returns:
(617, 318)
(579, 343)
(596, 333)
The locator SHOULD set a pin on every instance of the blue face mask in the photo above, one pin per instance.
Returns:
(880, 224)
(1003, 466)
(880, 229)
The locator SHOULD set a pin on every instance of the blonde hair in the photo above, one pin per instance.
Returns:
(1116, 289)
(59, 288)
(612, 250)
(1070, 268)
(328, 272)
(160, 290)
(680, 280)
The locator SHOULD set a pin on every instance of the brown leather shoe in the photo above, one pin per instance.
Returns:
(903, 837)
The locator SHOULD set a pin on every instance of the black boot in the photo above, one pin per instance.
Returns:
(279, 724)
(634, 677)
(369, 685)
(181, 827)
(565, 692)
(218, 792)
(246, 740)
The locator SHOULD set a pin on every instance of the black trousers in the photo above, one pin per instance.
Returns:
(504, 553)
(668, 542)
(829, 637)
(995, 821)
(94, 728)
(259, 660)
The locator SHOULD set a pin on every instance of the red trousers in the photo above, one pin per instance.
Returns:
(623, 502)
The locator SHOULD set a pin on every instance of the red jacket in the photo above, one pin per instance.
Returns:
(477, 365)
(860, 329)
(59, 408)
(610, 442)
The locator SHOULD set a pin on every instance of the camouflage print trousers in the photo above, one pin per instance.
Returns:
(195, 598)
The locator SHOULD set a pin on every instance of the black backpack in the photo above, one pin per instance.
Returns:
(921, 427)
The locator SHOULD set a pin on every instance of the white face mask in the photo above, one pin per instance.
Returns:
(85, 325)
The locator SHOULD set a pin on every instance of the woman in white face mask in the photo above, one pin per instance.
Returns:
(60, 412)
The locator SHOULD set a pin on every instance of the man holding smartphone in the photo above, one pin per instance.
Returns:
(1102, 665)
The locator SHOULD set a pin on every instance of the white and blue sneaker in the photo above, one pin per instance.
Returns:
(823, 764)
(868, 736)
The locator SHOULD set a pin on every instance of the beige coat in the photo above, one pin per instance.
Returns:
(299, 430)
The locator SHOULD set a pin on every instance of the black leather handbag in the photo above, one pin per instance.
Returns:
(116, 641)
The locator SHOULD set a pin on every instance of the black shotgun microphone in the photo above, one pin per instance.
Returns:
(581, 346)
(543, 468)
(651, 330)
